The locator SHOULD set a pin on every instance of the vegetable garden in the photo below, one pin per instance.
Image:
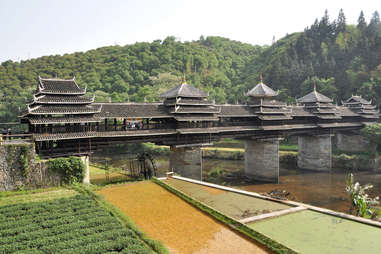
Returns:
(67, 225)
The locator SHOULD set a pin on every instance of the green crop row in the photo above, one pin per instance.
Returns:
(67, 225)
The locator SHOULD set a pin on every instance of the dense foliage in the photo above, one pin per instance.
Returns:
(72, 168)
(67, 225)
(341, 59)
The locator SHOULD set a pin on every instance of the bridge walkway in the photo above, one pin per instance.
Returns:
(300, 227)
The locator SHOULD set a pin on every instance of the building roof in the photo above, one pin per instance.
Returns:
(314, 96)
(184, 90)
(133, 110)
(58, 120)
(63, 109)
(355, 99)
(187, 101)
(190, 109)
(261, 91)
(58, 86)
(61, 99)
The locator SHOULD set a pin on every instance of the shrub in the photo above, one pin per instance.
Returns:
(72, 169)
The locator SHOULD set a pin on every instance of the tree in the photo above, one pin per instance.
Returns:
(341, 22)
(361, 23)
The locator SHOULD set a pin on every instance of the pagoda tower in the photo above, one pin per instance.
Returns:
(362, 107)
(264, 105)
(189, 104)
(319, 104)
(60, 105)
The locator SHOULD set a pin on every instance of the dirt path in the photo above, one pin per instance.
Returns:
(180, 226)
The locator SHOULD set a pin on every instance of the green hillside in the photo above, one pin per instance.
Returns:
(341, 59)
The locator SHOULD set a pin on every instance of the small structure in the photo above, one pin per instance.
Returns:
(319, 104)
(60, 105)
(264, 105)
(189, 104)
(361, 106)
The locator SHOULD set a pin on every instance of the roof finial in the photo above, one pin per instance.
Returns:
(184, 79)
(260, 78)
(315, 85)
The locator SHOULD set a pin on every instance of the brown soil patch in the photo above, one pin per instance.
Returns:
(180, 226)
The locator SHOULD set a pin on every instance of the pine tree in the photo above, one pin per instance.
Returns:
(341, 22)
(361, 23)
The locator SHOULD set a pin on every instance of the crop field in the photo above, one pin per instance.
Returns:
(181, 227)
(75, 224)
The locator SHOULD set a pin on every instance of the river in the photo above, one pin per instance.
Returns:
(323, 189)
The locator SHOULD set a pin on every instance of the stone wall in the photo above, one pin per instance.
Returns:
(19, 168)
(262, 160)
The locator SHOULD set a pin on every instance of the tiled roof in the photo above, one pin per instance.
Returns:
(186, 101)
(314, 96)
(59, 86)
(57, 120)
(236, 110)
(261, 90)
(133, 110)
(354, 99)
(64, 109)
(62, 99)
(184, 90)
(187, 109)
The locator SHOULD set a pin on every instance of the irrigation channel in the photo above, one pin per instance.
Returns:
(322, 189)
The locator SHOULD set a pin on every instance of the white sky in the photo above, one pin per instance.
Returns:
(33, 28)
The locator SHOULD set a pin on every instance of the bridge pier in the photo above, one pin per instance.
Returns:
(186, 161)
(262, 159)
(350, 142)
(85, 160)
(315, 152)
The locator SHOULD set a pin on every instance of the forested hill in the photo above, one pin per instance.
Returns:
(138, 72)
(341, 59)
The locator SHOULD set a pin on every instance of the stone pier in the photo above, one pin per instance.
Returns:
(262, 159)
(85, 160)
(315, 152)
(186, 161)
(349, 142)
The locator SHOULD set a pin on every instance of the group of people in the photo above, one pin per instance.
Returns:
(134, 125)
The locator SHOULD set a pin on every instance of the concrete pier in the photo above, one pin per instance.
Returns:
(262, 159)
(315, 152)
(85, 160)
(186, 161)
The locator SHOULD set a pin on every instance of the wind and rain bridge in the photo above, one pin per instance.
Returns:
(64, 121)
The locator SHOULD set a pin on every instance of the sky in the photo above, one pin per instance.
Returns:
(34, 28)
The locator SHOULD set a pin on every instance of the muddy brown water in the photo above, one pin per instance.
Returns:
(323, 189)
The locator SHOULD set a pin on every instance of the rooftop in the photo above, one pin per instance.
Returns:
(184, 90)
(314, 96)
(59, 86)
(261, 90)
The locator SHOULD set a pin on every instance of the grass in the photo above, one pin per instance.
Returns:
(23, 192)
(38, 196)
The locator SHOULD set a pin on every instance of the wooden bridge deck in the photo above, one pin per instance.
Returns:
(300, 227)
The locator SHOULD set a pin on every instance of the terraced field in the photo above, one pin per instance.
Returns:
(75, 224)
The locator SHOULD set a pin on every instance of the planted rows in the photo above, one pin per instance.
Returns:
(68, 225)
